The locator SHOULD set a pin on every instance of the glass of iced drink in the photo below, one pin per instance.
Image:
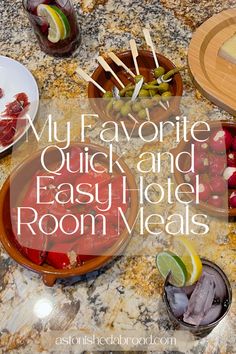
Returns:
(200, 307)
(55, 25)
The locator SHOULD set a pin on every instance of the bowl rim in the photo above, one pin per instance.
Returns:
(174, 104)
(180, 179)
(50, 273)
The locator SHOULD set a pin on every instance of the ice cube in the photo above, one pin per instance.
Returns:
(212, 314)
(178, 300)
(189, 289)
(220, 287)
(201, 300)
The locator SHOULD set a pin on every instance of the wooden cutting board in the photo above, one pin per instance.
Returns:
(214, 76)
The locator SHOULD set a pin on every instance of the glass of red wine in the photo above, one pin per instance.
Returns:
(55, 25)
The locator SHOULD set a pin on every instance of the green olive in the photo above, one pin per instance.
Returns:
(142, 114)
(143, 93)
(137, 106)
(126, 89)
(154, 82)
(156, 99)
(107, 95)
(163, 87)
(172, 72)
(166, 96)
(150, 87)
(152, 93)
(109, 105)
(125, 110)
(147, 103)
(128, 102)
(129, 93)
(158, 72)
(138, 78)
(117, 105)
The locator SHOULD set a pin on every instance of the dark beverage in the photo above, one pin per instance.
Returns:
(55, 25)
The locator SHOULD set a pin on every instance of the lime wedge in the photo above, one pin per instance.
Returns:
(186, 251)
(64, 20)
(167, 262)
(56, 28)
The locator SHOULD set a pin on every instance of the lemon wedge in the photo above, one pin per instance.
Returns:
(56, 28)
(185, 250)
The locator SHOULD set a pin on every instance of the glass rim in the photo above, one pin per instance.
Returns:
(27, 10)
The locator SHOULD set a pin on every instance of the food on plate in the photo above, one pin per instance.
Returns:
(1, 93)
(218, 185)
(58, 260)
(134, 96)
(201, 146)
(204, 191)
(158, 72)
(215, 163)
(75, 228)
(232, 200)
(231, 159)
(10, 123)
(148, 95)
(201, 162)
(190, 177)
(228, 50)
(230, 176)
(234, 143)
(216, 201)
(17, 107)
(221, 140)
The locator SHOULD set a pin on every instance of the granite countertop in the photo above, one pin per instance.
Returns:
(125, 296)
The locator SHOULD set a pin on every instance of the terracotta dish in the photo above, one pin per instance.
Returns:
(24, 172)
(146, 66)
(224, 211)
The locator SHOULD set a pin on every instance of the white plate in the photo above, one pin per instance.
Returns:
(15, 78)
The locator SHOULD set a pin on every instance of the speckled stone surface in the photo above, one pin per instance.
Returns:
(126, 295)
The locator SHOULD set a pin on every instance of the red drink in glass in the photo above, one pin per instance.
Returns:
(55, 25)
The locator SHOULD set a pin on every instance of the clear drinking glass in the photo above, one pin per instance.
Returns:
(55, 25)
